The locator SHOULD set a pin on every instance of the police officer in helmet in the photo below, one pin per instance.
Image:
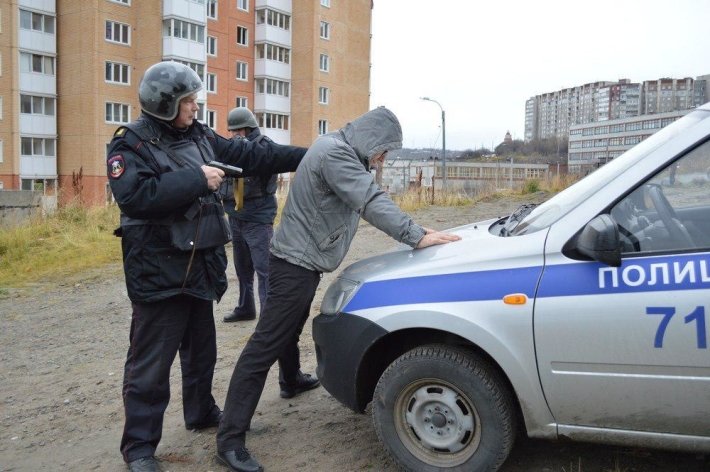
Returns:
(173, 234)
(250, 219)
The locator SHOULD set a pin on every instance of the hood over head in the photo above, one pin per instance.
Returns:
(376, 131)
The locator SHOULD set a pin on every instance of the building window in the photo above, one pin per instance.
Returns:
(211, 85)
(322, 127)
(325, 3)
(242, 70)
(273, 87)
(1, 156)
(272, 120)
(36, 105)
(242, 102)
(323, 95)
(324, 30)
(123, 2)
(211, 118)
(37, 147)
(118, 32)
(243, 5)
(36, 22)
(242, 36)
(273, 53)
(211, 45)
(184, 30)
(117, 113)
(273, 18)
(36, 63)
(212, 9)
(324, 63)
(117, 73)
(197, 67)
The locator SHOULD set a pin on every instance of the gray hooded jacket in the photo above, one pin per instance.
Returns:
(333, 188)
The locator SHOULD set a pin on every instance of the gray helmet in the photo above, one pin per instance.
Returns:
(163, 86)
(241, 117)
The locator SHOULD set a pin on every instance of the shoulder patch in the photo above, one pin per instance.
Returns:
(116, 166)
(119, 132)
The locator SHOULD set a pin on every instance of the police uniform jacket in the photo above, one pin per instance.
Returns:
(259, 204)
(155, 175)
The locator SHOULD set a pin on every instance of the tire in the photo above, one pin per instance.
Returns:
(440, 408)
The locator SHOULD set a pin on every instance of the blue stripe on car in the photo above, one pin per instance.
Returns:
(563, 280)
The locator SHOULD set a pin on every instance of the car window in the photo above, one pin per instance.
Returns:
(670, 211)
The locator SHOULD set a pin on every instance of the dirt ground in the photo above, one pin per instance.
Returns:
(62, 349)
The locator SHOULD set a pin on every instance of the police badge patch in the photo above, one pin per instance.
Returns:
(116, 166)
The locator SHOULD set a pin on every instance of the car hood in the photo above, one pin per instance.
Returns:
(478, 249)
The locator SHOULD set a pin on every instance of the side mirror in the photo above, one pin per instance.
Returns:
(600, 241)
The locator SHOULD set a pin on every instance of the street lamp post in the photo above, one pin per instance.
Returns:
(443, 138)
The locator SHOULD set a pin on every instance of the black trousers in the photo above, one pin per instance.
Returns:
(291, 291)
(158, 331)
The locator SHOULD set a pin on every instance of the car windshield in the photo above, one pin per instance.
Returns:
(543, 215)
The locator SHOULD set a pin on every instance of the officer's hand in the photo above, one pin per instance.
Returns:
(214, 177)
(437, 237)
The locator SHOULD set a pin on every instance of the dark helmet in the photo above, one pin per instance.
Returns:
(241, 117)
(163, 86)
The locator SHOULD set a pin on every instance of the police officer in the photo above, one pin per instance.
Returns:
(173, 234)
(251, 220)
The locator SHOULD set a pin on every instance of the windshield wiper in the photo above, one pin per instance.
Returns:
(516, 217)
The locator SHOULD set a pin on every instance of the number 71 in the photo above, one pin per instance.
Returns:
(697, 315)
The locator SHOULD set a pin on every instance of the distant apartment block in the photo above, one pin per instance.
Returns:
(302, 66)
(551, 115)
(594, 144)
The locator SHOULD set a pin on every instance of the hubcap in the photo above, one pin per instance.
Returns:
(437, 423)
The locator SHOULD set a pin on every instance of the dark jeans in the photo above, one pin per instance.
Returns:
(291, 291)
(250, 246)
(158, 331)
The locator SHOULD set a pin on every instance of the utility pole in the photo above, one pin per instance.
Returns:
(443, 139)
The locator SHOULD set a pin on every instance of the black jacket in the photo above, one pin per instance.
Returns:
(153, 187)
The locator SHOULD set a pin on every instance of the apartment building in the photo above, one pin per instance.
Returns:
(551, 115)
(70, 70)
(594, 144)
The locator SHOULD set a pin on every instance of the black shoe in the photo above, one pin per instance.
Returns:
(144, 464)
(304, 382)
(212, 421)
(237, 315)
(239, 460)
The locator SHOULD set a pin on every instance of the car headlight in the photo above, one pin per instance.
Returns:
(338, 295)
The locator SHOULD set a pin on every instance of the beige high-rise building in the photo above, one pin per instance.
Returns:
(70, 69)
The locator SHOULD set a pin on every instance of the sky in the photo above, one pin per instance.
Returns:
(482, 59)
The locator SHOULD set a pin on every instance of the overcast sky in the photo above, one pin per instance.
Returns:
(481, 60)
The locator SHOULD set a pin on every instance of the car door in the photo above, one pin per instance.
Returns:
(627, 347)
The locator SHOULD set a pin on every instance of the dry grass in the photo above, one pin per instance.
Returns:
(72, 240)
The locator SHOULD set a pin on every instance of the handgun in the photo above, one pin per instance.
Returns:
(231, 171)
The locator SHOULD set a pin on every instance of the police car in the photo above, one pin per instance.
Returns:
(585, 317)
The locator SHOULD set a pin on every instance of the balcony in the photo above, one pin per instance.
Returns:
(38, 125)
(191, 11)
(37, 42)
(41, 84)
(184, 49)
(268, 68)
(272, 103)
(38, 167)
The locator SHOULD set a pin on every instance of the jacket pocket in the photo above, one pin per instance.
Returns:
(334, 239)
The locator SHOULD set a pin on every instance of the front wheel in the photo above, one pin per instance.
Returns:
(440, 408)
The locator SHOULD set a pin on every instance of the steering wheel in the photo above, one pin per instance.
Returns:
(668, 216)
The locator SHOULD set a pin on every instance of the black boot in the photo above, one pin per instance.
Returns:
(239, 315)
(239, 460)
(304, 382)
